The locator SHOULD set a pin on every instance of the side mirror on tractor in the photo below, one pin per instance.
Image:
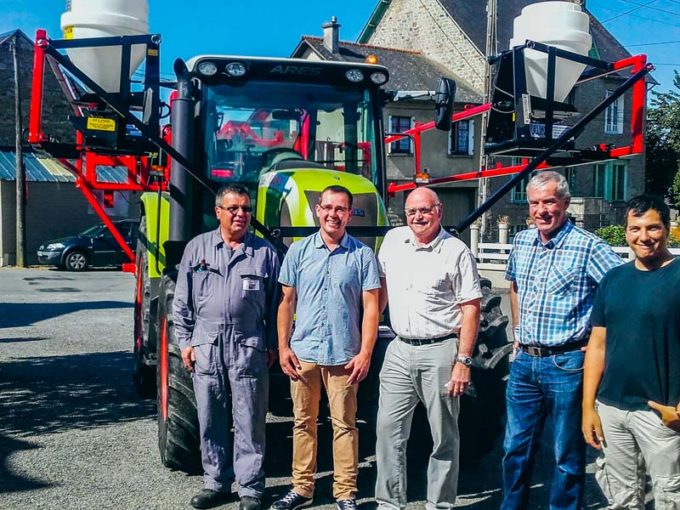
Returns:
(446, 92)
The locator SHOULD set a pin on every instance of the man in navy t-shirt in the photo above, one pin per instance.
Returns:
(631, 393)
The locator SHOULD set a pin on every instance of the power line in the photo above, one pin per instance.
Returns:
(628, 12)
(665, 11)
(650, 44)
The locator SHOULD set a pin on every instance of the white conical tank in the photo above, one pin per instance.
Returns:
(560, 24)
(105, 18)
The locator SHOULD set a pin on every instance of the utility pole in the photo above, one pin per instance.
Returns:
(20, 170)
(491, 49)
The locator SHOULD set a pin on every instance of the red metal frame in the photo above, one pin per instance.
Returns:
(639, 91)
(84, 168)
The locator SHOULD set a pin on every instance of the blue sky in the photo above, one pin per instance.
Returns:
(274, 27)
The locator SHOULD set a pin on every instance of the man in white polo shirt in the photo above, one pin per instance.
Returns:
(431, 281)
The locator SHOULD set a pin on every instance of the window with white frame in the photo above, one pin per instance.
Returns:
(613, 116)
(610, 181)
(399, 124)
(461, 138)
(518, 194)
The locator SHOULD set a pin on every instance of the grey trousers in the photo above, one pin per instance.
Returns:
(411, 374)
(635, 440)
(230, 365)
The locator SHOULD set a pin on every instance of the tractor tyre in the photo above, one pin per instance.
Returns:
(146, 308)
(178, 434)
(482, 412)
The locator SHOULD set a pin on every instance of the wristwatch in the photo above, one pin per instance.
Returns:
(465, 360)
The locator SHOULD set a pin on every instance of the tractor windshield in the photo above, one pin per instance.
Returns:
(260, 126)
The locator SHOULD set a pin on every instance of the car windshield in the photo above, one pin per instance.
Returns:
(92, 231)
(251, 128)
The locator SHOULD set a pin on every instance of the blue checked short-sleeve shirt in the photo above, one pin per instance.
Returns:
(556, 283)
(328, 287)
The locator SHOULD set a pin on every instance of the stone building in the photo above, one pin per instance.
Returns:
(453, 34)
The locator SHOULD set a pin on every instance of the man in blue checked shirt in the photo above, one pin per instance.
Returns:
(327, 280)
(554, 272)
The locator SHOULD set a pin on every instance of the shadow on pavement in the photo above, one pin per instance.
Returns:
(9, 481)
(15, 315)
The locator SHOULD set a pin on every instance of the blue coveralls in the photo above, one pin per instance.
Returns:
(225, 307)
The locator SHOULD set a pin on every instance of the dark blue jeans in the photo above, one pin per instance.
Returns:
(539, 388)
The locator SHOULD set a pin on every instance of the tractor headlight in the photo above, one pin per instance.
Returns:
(354, 75)
(235, 69)
(378, 78)
(207, 68)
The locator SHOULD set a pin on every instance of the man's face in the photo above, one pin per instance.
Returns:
(234, 215)
(646, 235)
(423, 214)
(547, 209)
(334, 213)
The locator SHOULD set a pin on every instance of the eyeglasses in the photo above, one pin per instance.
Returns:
(422, 210)
(233, 209)
(338, 209)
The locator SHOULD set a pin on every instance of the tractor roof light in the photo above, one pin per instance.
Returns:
(235, 69)
(371, 59)
(207, 68)
(354, 75)
(378, 78)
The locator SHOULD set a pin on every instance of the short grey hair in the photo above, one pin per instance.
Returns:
(237, 189)
(542, 179)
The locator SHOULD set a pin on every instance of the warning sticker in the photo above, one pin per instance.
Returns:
(68, 32)
(101, 124)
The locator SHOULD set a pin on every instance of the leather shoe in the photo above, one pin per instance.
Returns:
(208, 498)
(249, 503)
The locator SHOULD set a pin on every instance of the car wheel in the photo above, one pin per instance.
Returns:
(76, 261)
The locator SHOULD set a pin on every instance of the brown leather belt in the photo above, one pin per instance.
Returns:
(427, 341)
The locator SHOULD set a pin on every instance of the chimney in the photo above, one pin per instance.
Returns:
(331, 35)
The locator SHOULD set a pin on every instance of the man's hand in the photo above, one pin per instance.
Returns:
(271, 357)
(359, 366)
(460, 380)
(591, 426)
(188, 358)
(289, 363)
(670, 416)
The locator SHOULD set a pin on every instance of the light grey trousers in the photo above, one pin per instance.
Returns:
(635, 441)
(411, 374)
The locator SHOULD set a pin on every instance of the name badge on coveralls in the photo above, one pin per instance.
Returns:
(251, 284)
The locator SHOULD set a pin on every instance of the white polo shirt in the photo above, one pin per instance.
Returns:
(427, 284)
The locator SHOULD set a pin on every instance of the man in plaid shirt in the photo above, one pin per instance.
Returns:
(554, 271)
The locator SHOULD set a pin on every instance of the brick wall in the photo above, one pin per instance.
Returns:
(55, 107)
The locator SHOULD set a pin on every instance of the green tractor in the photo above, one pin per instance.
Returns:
(285, 129)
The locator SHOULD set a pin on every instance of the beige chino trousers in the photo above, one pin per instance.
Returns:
(342, 399)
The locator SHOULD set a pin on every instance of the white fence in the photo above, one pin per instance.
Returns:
(493, 256)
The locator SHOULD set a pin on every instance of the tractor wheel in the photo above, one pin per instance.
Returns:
(178, 435)
(483, 405)
(144, 376)
(76, 260)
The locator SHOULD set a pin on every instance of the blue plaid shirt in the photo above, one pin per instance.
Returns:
(556, 283)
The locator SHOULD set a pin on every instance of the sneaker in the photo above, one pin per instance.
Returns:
(249, 503)
(291, 501)
(346, 504)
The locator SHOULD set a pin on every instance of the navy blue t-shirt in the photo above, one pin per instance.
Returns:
(641, 311)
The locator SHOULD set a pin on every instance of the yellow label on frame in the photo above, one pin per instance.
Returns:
(68, 32)
(101, 124)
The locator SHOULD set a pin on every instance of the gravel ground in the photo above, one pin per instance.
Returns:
(73, 433)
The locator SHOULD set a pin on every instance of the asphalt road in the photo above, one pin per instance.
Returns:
(73, 433)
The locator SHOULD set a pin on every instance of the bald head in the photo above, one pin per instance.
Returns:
(422, 194)
(424, 214)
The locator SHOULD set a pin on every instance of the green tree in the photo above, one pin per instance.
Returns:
(663, 143)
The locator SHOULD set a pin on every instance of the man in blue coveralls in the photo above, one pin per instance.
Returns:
(327, 278)
(225, 322)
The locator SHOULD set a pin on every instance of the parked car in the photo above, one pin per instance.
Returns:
(92, 247)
